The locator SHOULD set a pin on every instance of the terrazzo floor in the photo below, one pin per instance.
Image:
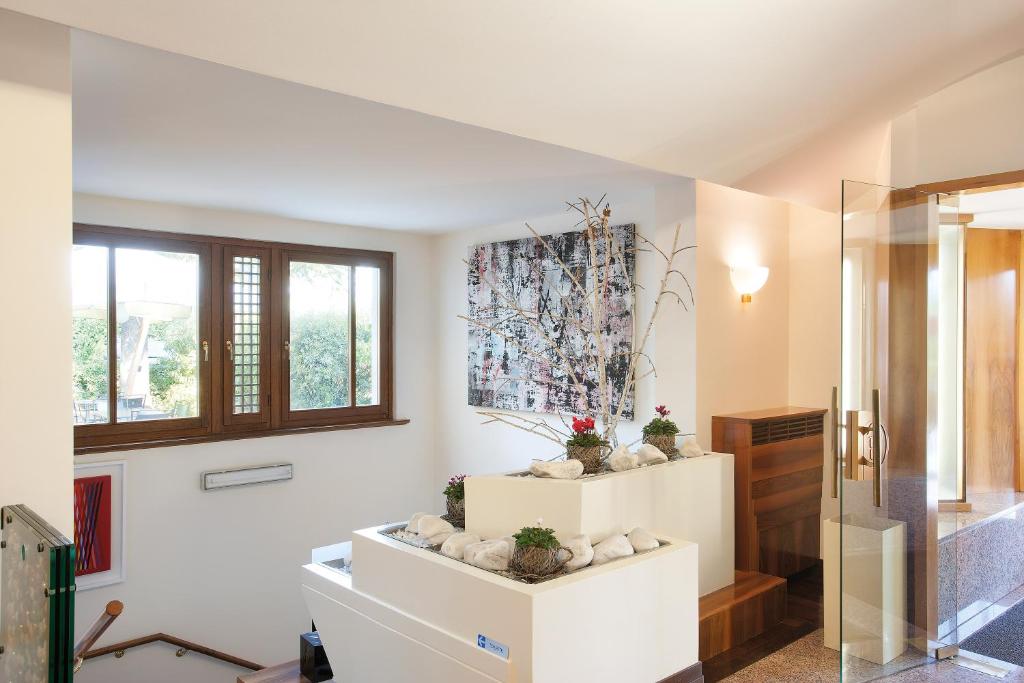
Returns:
(985, 505)
(808, 661)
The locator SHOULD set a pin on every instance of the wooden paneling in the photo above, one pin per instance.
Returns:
(778, 485)
(992, 280)
(737, 613)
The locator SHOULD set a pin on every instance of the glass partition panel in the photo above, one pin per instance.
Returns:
(896, 418)
(36, 585)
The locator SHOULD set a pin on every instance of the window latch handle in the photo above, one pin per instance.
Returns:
(206, 350)
(231, 349)
(287, 349)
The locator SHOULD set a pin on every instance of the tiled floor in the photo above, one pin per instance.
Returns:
(809, 661)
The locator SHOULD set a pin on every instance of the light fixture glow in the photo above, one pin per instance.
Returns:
(245, 476)
(748, 280)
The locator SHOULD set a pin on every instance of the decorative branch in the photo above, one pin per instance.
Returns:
(584, 317)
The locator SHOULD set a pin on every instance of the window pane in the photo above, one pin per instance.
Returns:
(245, 336)
(367, 336)
(157, 335)
(318, 309)
(90, 360)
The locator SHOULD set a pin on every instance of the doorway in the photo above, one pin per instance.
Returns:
(928, 550)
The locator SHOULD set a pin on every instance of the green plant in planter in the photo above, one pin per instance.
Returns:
(456, 489)
(536, 537)
(661, 425)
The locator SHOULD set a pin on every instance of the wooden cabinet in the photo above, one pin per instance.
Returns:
(779, 464)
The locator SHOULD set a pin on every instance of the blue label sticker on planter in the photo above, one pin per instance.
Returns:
(492, 646)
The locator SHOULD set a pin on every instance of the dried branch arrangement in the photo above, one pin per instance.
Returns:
(577, 337)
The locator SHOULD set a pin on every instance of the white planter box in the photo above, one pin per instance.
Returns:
(690, 499)
(873, 585)
(409, 614)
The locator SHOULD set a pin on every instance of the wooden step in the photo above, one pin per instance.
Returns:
(737, 613)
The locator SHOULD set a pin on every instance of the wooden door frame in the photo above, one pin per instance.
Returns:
(988, 183)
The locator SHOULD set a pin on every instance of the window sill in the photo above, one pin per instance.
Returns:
(234, 436)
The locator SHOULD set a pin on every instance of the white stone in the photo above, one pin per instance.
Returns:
(566, 469)
(642, 539)
(649, 455)
(611, 548)
(621, 459)
(456, 544)
(582, 552)
(690, 448)
(434, 529)
(488, 554)
(413, 526)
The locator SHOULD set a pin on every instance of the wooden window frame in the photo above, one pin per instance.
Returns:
(216, 421)
(352, 413)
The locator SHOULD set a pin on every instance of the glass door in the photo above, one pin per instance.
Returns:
(883, 589)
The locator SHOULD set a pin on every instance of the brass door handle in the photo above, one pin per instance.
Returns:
(206, 350)
(230, 348)
(836, 464)
(876, 440)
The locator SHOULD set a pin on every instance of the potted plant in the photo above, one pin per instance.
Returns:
(536, 552)
(455, 493)
(661, 431)
(586, 445)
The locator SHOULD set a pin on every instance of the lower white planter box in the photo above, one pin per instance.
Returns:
(872, 582)
(408, 614)
(690, 498)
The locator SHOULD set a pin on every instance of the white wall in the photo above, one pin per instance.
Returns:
(742, 349)
(970, 128)
(221, 568)
(814, 315)
(35, 239)
(464, 445)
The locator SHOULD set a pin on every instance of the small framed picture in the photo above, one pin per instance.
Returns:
(100, 524)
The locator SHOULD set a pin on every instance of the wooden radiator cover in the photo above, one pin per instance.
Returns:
(779, 468)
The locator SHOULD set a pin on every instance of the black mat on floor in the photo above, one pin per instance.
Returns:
(1002, 639)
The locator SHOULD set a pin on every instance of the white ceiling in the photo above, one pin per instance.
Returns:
(708, 88)
(996, 209)
(162, 127)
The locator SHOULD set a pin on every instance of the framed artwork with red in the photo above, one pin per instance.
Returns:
(99, 524)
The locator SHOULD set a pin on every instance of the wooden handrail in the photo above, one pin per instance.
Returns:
(173, 640)
(112, 611)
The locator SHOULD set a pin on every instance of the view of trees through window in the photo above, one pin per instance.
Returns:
(319, 358)
(189, 337)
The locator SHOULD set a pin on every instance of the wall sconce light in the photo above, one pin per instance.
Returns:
(748, 280)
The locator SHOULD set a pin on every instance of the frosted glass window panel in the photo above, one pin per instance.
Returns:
(367, 336)
(90, 335)
(157, 334)
(247, 294)
(319, 354)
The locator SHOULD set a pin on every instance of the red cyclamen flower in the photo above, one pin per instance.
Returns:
(661, 410)
(582, 424)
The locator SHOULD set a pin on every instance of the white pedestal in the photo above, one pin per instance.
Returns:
(873, 584)
(690, 499)
(408, 614)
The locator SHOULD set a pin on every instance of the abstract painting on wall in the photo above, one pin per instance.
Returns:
(511, 366)
(99, 517)
(92, 524)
